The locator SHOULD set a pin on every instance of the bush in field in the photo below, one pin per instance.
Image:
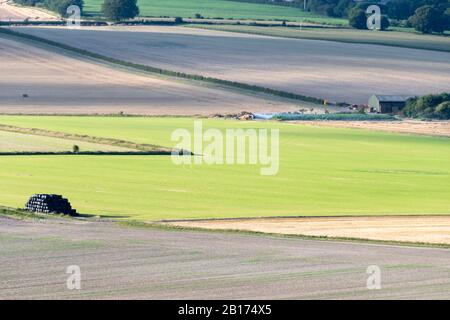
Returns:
(120, 9)
(428, 19)
(357, 19)
(385, 24)
(60, 6)
(434, 106)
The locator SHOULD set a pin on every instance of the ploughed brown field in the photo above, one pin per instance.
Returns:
(42, 80)
(146, 263)
(332, 70)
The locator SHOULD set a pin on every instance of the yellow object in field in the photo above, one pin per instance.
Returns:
(325, 102)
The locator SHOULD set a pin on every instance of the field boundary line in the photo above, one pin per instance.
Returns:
(85, 153)
(174, 74)
(385, 215)
(142, 147)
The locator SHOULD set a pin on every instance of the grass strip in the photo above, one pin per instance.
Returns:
(143, 147)
(159, 71)
(20, 213)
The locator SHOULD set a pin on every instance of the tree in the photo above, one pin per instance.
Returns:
(385, 24)
(435, 106)
(120, 9)
(60, 6)
(357, 19)
(400, 9)
(447, 19)
(428, 19)
(443, 110)
(75, 148)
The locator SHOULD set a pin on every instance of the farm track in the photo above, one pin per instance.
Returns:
(132, 263)
(332, 70)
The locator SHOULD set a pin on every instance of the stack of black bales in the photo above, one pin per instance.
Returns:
(50, 203)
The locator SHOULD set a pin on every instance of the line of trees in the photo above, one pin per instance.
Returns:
(58, 6)
(424, 15)
(433, 106)
(120, 9)
(112, 9)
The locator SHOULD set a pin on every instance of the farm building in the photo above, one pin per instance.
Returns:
(387, 104)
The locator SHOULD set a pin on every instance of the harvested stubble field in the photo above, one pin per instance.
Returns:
(323, 172)
(59, 83)
(391, 38)
(324, 69)
(136, 263)
(431, 128)
(416, 229)
(14, 12)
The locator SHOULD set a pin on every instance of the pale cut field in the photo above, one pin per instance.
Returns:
(325, 69)
(432, 128)
(57, 83)
(18, 142)
(427, 229)
(13, 12)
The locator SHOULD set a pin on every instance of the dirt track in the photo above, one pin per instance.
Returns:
(125, 263)
(56, 83)
(434, 229)
(13, 12)
(332, 70)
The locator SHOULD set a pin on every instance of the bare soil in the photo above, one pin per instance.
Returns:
(427, 229)
(142, 263)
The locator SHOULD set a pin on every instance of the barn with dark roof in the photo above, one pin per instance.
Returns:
(387, 104)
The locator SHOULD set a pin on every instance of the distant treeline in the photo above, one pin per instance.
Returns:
(59, 6)
(414, 13)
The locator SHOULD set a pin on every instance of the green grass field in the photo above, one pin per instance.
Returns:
(323, 171)
(217, 9)
(391, 38)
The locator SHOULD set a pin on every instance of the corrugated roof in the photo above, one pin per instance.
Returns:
(385, 98)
